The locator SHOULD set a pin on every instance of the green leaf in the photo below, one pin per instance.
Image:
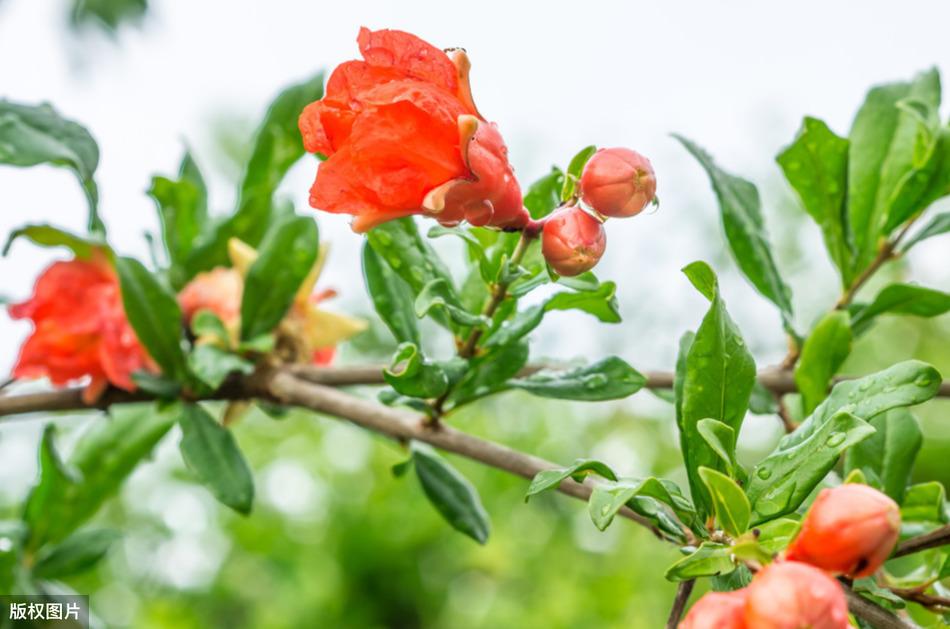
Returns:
(212, 365)
(721, 438)
(412, 375)
(69, 494)
(76, 554)
(775, 535)
(889, 453)
(782, 481)
(905, 384)
(400, 245)
(716, 382)
(729, 502)
(545, 194)
(939, 224)
(439, 294)
(210, 451)
(206, 324)
(908, 299)
(277, 147)
(884, 138)
(607, 379)
(183, 210)
(708, 560)
(490, 373)
(107, 14)
(925, 503)
(36, 134)
(602, 302)
(49, 236)
(552, 479)
(816, 166)
(745, 231)
(651, 497)
(574, 169)
(452, 495)
(735, 580)
(285, 258)
(153, 312)
(762, 401)
(157, 385)
(517, 328)
(476, 251)
(822, 354)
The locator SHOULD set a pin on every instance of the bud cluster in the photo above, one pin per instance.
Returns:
(615, 183)
(848, 531)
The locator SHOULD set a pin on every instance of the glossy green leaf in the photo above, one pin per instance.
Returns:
(76, 554)
(775, 535)
(107, 14)
(552, 479)
(210, 451)
(183, 210)
(721, 438)
(36, 134)
(49, 236)
(652, 498)
(925, 503)
(391, 296)
(729, 502)
(452, 495)
(285, 258)
(884, 139)
(490, 373)
(741, 213)
(545, 194)
(212, 365)
(574, 170)
(762, 401)
(277, 146)
(69, 494)
(608, 379)
(708, 560)
(517, 328)
(822, 354)
(158, 385)
(412, 375)
(816, 166)
(601, 302)
(907, 299)
(716, 379)
(782, 481)
(904, 384)
(438, 294)
(889, 453)
(153, 311)
(939, 224)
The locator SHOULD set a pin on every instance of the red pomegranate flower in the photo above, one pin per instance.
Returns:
(79, 329)
(402, 136)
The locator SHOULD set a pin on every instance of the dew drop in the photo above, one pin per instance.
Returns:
(764, 473)
(384, 239)
(835, 439)
(605, 510)
(923, 381)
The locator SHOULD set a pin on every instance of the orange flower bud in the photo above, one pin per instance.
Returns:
(791, 595)
(717, 610)
(618, 182)
(573, 241)
(849, 530)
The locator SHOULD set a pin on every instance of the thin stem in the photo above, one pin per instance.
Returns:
(872, 613)
(934, 539)
(932, 602)
(683, 591)
(498, 295)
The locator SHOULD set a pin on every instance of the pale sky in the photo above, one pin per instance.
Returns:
(734, 76)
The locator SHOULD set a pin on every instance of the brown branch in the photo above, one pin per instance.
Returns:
(405, 426)
(683, 591)
(774, 380)
(872, 613)
(937, 604)
(934, 539)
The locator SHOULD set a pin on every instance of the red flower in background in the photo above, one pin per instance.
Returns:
(402, 136)
(79, 329)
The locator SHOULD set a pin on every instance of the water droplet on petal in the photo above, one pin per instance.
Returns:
(835, 439)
